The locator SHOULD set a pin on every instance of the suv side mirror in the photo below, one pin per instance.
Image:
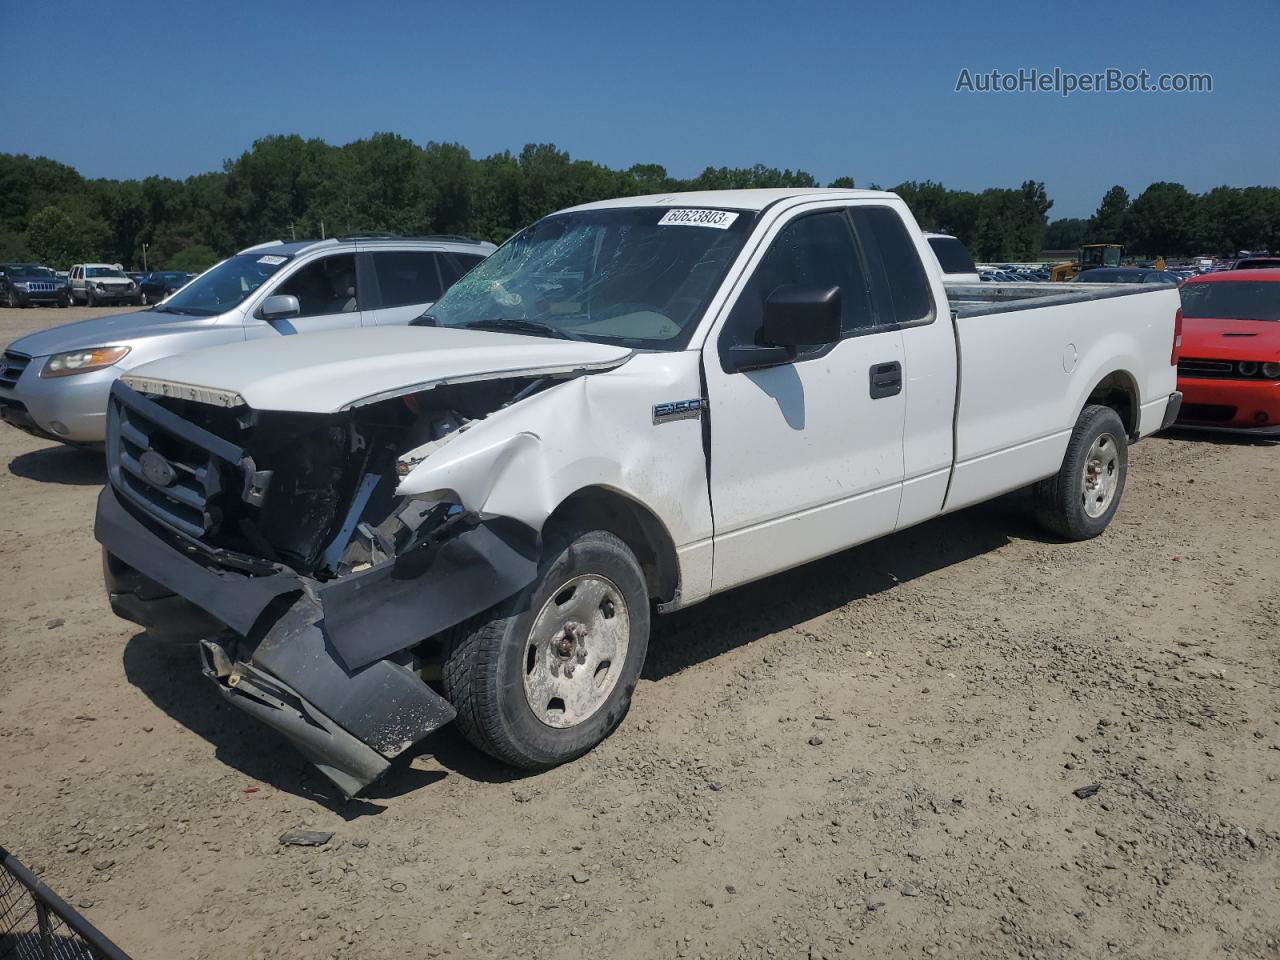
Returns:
(280, 306)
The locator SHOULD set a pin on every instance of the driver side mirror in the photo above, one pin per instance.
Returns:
(280, 306)
(794, 317)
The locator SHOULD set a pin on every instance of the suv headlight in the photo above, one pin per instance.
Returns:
(1271, 371)
(82, 361)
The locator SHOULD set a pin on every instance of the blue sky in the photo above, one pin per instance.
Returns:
(833, 88)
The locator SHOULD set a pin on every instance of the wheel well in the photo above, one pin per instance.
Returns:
(1118, 391)
(598, 508)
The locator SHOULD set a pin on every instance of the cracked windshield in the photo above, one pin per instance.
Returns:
(637, 276)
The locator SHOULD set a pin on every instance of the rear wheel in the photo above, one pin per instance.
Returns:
(1079, 502)
(545, 677)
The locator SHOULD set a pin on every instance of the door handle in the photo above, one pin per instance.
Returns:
(886, 380)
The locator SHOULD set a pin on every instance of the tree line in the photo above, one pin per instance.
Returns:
(1166, 219)
(288, 187)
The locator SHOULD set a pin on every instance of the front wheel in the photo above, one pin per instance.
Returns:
(90, 300)
(548, 675)
(1080, 500)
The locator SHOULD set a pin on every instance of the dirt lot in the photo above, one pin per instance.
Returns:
(873, 756)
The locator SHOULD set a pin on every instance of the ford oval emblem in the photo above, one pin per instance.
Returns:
(157, 469)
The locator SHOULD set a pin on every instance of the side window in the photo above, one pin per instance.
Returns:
(406, 277)
(898, 281)
(324, 286)
(814, 251)
(454, 265)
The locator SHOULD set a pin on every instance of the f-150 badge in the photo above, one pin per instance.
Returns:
(677, 410)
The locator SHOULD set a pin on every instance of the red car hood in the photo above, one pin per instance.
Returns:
(1231, 339)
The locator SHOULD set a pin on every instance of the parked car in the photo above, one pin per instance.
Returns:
(492, 498)
(158, 285)
(1230, 370)
(1257, 263)
(24, 284)
(953, 258)
(54, 383)
(96, 284)
(1125, 275)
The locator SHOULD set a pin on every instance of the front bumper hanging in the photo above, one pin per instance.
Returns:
(323, 666)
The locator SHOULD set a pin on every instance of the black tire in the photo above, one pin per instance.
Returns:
(1061, 499)
(89, 299)
(11, 300)
(64, 302)
(487, 659)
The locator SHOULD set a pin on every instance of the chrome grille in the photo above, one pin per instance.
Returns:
(11, 367)
(41, 286)
(169, 468)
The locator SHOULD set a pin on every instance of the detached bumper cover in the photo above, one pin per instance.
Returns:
(319, 673)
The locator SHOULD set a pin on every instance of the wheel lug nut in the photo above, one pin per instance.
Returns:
(582, 656)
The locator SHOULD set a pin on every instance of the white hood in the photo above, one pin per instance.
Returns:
(329, 372)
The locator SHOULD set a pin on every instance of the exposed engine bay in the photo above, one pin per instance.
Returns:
(323, 502)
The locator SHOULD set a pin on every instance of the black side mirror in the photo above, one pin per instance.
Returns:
(794, 317)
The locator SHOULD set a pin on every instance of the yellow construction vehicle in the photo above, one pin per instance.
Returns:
(1091, 255)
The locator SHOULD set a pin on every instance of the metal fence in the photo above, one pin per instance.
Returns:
(37, 924)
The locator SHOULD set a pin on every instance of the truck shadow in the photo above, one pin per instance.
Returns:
(747, 613)
(75, 466)
(168, 673)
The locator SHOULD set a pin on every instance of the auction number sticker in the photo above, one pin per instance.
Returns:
(272, 261)
(719, 219)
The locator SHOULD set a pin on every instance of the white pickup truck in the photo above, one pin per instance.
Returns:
(631, 405)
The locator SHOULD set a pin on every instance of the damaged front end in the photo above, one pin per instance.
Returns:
(278, 539)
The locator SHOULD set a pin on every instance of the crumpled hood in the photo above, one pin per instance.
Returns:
(1229, 339)
(330, 372)
(105, 331)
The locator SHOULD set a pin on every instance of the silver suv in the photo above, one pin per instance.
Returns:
(55, 383)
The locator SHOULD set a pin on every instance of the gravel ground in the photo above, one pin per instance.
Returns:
(872, 756)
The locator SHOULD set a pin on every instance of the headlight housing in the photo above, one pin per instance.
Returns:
(82, 361)
(1271, 371)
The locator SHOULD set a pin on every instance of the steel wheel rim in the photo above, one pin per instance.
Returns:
(576, 651)
(1101, 475)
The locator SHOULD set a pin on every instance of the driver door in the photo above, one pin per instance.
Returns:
(806, 457)
(328, 296)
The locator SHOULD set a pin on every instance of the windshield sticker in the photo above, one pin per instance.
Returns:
(719, 219)
(272, 261)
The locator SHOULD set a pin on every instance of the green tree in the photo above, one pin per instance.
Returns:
(54, 239)
(1110, 222)
(193, 259)
(842, 183)
(1066, 233)
(1163, 221)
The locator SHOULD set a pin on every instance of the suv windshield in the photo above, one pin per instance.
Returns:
(104, 272)
(21, 270)
(1243, 300)
(225, 286)
(638, 276)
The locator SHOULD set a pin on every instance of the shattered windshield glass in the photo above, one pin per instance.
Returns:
(639, 276)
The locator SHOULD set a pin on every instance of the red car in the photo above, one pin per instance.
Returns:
(1229, 366)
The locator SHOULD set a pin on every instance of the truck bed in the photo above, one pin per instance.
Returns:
(979, 299)
(1030, 354)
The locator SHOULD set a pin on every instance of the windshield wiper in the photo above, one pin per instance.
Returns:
(535, 327)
